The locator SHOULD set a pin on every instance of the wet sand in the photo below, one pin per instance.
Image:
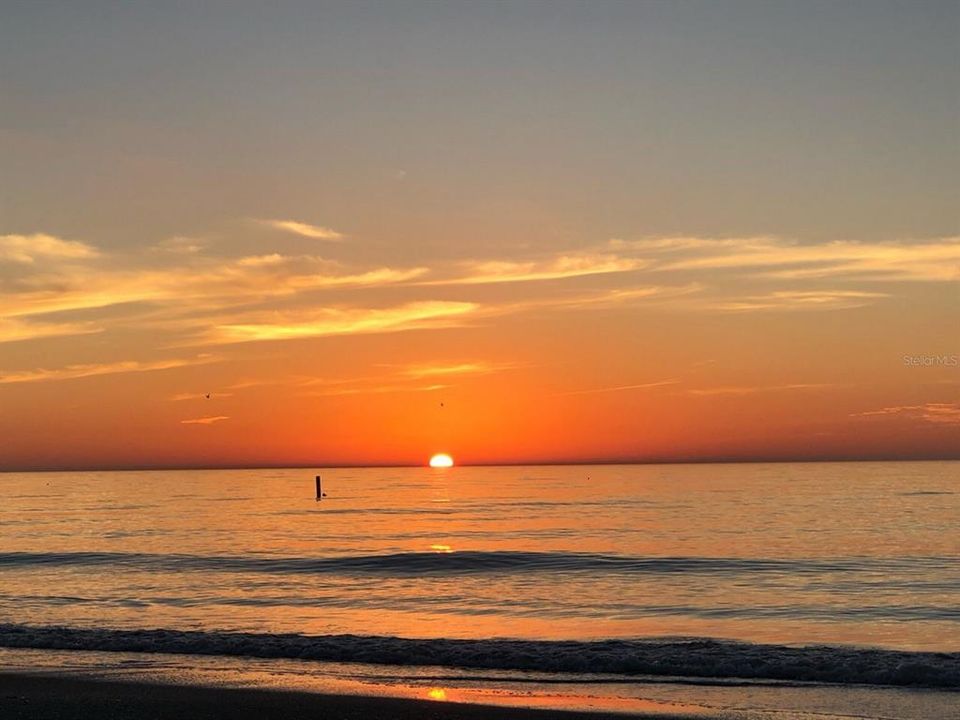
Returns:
(31, 697)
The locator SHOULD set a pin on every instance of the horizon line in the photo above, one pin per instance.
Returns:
(538, 463)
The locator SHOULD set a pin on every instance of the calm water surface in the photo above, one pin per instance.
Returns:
(845, 553)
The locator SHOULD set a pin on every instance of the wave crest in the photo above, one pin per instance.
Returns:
(466, 562)
(700, 658)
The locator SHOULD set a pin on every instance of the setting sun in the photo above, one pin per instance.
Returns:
(441, 460)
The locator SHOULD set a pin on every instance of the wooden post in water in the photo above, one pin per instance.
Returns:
(319, 489)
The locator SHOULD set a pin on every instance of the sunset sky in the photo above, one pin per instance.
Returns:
(514, 232)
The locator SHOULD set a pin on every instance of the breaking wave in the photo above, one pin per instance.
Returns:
(677, 658)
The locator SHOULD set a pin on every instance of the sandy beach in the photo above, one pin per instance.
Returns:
(29, 697)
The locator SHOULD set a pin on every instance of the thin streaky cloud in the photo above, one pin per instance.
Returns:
(179, 245)
(620, 388)
(246, 383)
(348, 321)
(798, 300)
(376, 390)
(564, 266)
(13, 329)
(936, 413)
(316, 232)
(205, 420)
(673, 244)
(600, 300)
(401, 377)
(925, 260)
(624, 296)
(72, 372)
(423, 315)
(371, 278)
(760, 256)
(753, 389)
(261, 260)
(329, 382)
(204, 284)
(464, 368)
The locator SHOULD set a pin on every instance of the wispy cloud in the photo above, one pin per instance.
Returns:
(600, 299)
(936, 413)
(799, 300)
(464, 368)
(753, 389)
(12, 329)
(205, 420)
(347, 321)
(374, 390)
(317, 232)
(564, 266)
(72, 372)
(625, 296)
(403, 378)
(249, 382)
(180, 245)
(427, 314)
(621, 388)
(204, 283)
(931, 260)
(187, 294)
(27, 249)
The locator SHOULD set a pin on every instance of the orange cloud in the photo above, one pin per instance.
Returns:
(72, 372)
(27, 249)
(204, 284)
(12, 329)
(375, 389)
(937, 413)
(752, 389)
(347, 321)
(467, 368)
(303, 229)
(620, 388)
(565, 266)
(799, 300)
(205, 420)
(935, 260)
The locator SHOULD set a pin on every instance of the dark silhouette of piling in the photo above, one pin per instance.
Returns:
(319, 489)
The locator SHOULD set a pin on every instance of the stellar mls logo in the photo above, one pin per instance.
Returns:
(931, 360)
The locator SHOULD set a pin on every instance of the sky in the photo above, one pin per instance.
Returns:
(306, 233)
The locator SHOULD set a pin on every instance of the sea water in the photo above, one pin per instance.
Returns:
(817, 572)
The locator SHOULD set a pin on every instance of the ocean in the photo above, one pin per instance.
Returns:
(616, 576)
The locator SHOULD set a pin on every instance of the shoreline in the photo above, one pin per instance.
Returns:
(25, 696)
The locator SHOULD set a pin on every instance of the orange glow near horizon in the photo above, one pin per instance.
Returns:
(541, 374)
(441, 460)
